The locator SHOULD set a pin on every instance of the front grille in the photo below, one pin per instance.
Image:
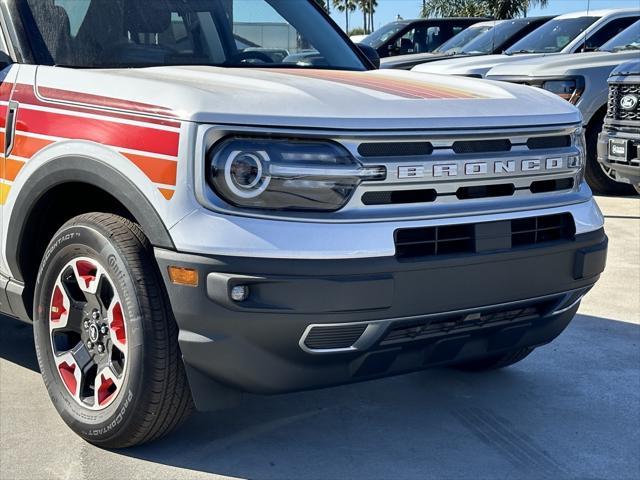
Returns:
(334, 337)
(424, 328)
(460, 147)
(616, 92)
(482, 237)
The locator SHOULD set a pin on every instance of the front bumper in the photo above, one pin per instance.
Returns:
(315, 323)
(626, 170)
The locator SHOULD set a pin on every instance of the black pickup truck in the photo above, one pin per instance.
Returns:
(619, 142)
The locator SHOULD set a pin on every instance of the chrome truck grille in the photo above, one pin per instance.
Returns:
(616, 92)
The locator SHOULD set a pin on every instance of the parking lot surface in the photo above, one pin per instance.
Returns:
(571, 410)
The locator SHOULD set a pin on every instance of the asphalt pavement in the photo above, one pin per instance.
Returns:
(570, 410)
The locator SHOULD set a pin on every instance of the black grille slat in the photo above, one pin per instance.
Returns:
(462, 239)
(543, 143)
(398, 197)
(395, 149)
(335, 337)
(616, 92)
(482, 146)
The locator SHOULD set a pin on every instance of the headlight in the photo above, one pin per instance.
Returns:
(579, 161)
(570, 89)
(284, 174)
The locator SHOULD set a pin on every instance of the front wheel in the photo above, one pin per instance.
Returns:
(105, 338)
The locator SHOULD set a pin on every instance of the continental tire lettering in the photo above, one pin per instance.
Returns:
(58, 242)
(116, 421)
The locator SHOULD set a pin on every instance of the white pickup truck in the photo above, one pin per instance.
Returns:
(185, 219)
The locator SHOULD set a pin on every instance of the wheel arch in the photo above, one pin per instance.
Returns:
(101, 186)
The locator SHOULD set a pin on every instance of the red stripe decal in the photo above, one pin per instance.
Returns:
(108, 133)
(55, 94)
(25, 94)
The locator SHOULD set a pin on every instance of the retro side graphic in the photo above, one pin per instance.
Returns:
(151, 143)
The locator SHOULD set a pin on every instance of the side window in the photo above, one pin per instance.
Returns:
(418, 40)
(607, 32)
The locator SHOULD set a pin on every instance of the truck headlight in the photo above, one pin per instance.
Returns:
(282, 174)
(570, 89)
(579, 161)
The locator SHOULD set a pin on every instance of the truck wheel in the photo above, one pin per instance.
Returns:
(106, 341)
(495, 362)
(599, 177)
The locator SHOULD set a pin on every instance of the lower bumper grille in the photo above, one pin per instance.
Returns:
(337, 337)
(423, 329)
(483, 237)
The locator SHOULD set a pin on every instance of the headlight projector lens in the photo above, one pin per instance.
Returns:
(244, 173)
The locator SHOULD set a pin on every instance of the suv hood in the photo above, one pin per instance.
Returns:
(562, 65)
(328, 99)
(475, 66)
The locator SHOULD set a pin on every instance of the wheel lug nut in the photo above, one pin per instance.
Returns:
(95, 315)
(100, 348)
(86, 324)
(89, 344)
(104, 330)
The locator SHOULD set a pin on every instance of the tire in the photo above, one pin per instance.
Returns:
(495, 362)
(599, 181)
(106, 341)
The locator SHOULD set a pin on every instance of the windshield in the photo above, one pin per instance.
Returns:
(454, 45)
(144, 33)
(629, 39)
(494, 38)
(383, 34)
(553, 36)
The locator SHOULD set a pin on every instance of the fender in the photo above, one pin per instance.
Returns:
(79, 169)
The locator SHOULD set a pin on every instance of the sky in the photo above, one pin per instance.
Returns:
(388, 10)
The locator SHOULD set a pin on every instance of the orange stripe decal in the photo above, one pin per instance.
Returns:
(166, 193)
(27, 147)
(11, 169)
(158, 170)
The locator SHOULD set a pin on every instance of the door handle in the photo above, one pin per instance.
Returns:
(10, 130)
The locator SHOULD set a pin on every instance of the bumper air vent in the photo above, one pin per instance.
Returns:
(537, 230)
(482, 237)
(339, 337)
(435, 241)
(423, 329)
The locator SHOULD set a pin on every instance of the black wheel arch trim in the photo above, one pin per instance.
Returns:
(80, 169)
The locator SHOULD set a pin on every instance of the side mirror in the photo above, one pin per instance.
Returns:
(5, 60)
(371, 54)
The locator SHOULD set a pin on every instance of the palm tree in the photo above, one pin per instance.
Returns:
(368, 8)
(498, 9)
(346, 6)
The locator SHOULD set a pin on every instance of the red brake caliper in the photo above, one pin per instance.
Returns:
(67, 373)
(87, 271)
